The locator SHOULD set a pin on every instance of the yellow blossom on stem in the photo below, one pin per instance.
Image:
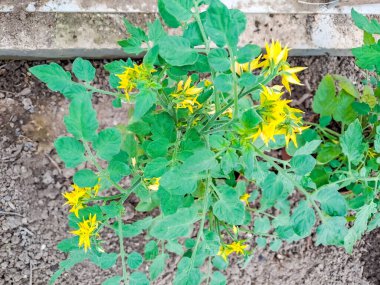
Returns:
(153, 183)
(249, 66)
(186, 96)
(131, 76)
(224, 252)
(275, 54)
(76, 198)
(237, 247)
(235, 229)
(86, 231)
(244, 198)
(289, 75)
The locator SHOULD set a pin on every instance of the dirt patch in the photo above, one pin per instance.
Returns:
(33, 221)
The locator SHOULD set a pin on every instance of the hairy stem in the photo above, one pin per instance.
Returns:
(122, 251)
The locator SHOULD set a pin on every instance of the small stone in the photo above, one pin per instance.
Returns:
(25, 92)
(28, 105)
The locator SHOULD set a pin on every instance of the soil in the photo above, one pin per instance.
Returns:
(33, 221)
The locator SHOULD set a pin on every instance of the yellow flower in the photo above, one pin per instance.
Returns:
(86, 231)
(275, 54)
(278, 118)
(249, 66)
(133, 161)
(237, 247)
(77, 197)
(289, 75)
(207, 83)
(235, 229)
(244, 198)
(224, 252)
(186, 96)
(153, 183)
(131, 76)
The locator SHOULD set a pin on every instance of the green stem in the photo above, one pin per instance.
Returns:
(323, 129)
(94, 89)
(122, 251)
(235, 84)
(200, 25)
(294, 182)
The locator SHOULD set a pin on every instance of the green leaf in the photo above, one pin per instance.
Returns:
(368, 57)
(229, 208)
(55, 77)
(352, 142)
(219, 25)
(248, 53)
(157, 267)
(178, 9)
(107, 144)
(156, 31)
(176, 51)
(103, 260)
(135, 33)
(308, 148)
(250, 119)
(174, 247)
(275, 245)
(155, 167)
(134, 260)
(193, 34)
(332, 202)
(359, 227)
(83, 69)
(70, 151)
(303, 164)
(115, 280)
(144, 102)
(151, 56)
(201, 160)
(85, 178)
(347, 85)
(223, 82)
(117, 170)
(344, 112)
(69, 244)
(134, 229)
(151, 250)
(332, 232)
(377, 140)
(186, 273)
(328, 152)
(178, 182)
(176, 225)
(169, 202)
(374, 223)
(218, 59)
(112, 210)
(370, 26)
(158, 148)
(75, 257)
(361, 108)
(272, 189)
(218, 278)
(73, 91)
(324, 102)
(138, 278)
(303, 219)
(261, 225)
(82, 122)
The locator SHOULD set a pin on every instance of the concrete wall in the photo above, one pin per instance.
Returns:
(69, 28)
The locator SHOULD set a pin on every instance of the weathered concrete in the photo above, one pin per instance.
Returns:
(56, 29)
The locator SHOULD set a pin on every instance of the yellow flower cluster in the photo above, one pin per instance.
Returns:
(275, 57)
(244, 198)
(78, 196)
(237, 247)
(186, 96)
(86, 230)
(153, 183)
(132, 76)
(278, 118)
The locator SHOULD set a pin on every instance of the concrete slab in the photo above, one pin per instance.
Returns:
(149, 6)
(69, 28)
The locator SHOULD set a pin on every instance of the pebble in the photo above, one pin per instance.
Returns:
(25, 92)
(28, 105)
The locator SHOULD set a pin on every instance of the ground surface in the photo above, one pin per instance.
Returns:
(33, 221)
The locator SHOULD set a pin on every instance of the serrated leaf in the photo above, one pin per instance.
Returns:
(134, 260)
(55, 77)
(85, 178)
(359, 227)
(332, 232)
(352, 142)
(229, 208)
(117, 170)
(218, 59)
(176, 51)
(70, 150)
(83, 69)
(82, 122)
(138, 278)
(370, 26)
(303, 219)
(115, 280)
(332, 203)
(144, 102)
(158, 265)
(107, 144)
(324, 101)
